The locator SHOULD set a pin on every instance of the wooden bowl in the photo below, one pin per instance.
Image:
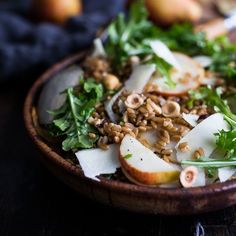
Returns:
(118, 194)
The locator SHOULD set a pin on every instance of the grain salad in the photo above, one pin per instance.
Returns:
(145, 108)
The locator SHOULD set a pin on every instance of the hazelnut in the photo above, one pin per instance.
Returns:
(134, 61)
(171, 109)
(111, 82)
(188, 176)
(134, 101)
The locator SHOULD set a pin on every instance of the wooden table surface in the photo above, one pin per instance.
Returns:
(34, 203)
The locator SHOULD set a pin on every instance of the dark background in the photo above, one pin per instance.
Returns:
(33, 202)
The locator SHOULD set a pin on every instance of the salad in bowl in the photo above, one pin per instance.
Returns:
(149, 106)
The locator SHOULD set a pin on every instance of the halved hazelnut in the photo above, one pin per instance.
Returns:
(171, 109)
(188, 176)
(134, 101)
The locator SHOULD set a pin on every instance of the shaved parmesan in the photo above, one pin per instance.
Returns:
(190, 118)
(204, 61)
(139, 78)
(96, 161)
(210, 81)
(226, 173)
(162, 51)
(98, 48)
(202, 136)
(108, 107)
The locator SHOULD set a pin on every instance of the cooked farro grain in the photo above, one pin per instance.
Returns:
(164, 135)
(142, 128)
(184, 147)
(161, 142)
(167, 151)
(198, 153)
(102, 143)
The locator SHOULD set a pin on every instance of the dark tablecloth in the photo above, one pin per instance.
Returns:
(26, 46)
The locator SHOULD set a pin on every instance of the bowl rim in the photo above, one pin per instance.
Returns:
(115, 185)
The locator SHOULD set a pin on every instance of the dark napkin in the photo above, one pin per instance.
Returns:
(25, 45)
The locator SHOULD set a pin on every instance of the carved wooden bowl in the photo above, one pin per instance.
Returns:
(122, 195)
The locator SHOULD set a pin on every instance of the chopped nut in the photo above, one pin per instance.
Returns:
(188, 176)
(92, 135)
(134, 101)
(183, 147)
(116, 139)
(134, 60)
(171, 109)
(154, 106)
(111, 82)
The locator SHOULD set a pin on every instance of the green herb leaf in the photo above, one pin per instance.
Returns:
(129, 36)
(213, 98)
(211, 163)
(70, 120)
(164, 68)
(128, 156)
(225, 140)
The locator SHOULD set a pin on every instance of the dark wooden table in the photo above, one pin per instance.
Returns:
(34, 203)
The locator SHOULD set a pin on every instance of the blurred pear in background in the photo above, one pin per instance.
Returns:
(55, 11)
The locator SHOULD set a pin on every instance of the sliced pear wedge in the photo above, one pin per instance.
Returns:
(202, 136)
(188, 78)
(142, 166)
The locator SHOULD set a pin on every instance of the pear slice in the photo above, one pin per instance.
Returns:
(142, 166)
(202, 136)
(188, 78)
(96, 161)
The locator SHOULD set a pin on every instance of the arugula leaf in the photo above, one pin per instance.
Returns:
(211, 163)
(127, 35)
(225, 140)
(130, 36)
(164, 68)
(213, 98)
(70, 120)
